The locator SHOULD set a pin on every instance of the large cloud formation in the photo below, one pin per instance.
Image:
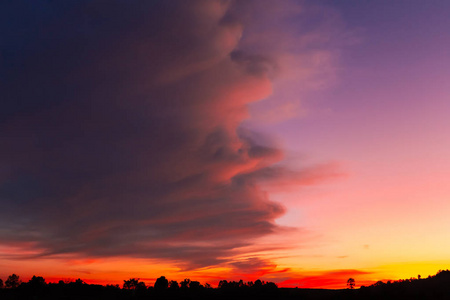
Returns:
(120, 131)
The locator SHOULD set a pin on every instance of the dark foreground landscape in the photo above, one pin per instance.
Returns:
(433, 287)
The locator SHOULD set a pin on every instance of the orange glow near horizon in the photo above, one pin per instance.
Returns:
(115, 270)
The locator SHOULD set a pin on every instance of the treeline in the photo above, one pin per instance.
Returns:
(133, 288)
(435, 287)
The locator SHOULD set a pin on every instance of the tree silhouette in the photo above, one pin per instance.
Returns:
(132, 284)
(185, 283)
(381, 283)
(162, 283)
(223, 284)
(351, 283)
(12, 281)
(195, 285)
(173, 285)
(258, 283)
(37, 281)
(141, 286)
(1, 284)
(270, 286)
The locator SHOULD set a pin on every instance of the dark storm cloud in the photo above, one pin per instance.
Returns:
(119, 131)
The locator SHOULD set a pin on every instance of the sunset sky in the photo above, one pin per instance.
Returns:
(300, 142)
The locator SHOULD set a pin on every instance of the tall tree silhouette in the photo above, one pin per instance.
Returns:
(12, 282)
(351, 283)
(161, 283)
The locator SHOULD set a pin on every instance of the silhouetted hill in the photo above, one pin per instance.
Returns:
(433, 287)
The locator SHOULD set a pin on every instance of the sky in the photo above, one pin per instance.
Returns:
(300, 142)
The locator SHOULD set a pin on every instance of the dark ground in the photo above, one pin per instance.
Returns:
(433, 287)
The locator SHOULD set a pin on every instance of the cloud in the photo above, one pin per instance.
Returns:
(120, 132)
(300, 45)
(253, 265)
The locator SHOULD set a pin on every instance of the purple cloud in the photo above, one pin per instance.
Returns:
(120, 132)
